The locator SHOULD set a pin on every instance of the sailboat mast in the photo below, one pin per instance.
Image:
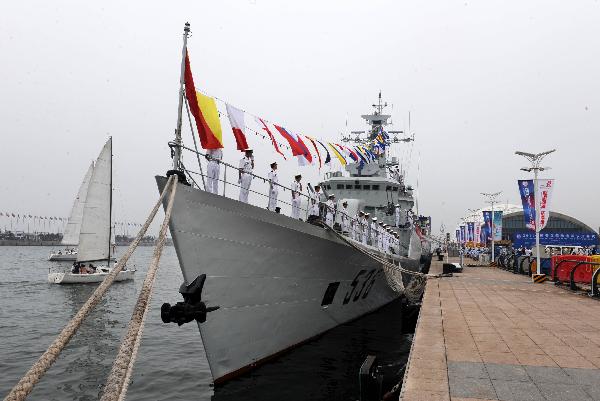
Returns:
(177, 150)
(110, 203)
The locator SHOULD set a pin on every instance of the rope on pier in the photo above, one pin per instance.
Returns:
(118, 379)
(39, 368)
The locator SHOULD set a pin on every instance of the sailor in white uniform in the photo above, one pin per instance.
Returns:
(374, 232)
(330, 204)
(315, 201)
(214, 157)
(273, 187)
(359, 225)
(380, 236)
(296, 196)
(245, 177)
(365, 228)
(345, 218)
(397, 211)
(354, 225)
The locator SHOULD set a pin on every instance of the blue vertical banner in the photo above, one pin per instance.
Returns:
(470, 231)
(526, 189)
(487, 225)
(462, 234)
(497, 225)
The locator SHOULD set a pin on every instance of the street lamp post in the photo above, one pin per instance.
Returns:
(491, 199)
(535, 160)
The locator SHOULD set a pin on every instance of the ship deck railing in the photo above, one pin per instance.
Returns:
(259, 191)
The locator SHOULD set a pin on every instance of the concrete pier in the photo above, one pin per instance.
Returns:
(487, 334)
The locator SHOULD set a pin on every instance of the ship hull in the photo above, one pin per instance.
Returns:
(277, 281)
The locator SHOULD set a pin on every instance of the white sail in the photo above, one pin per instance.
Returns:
(71, 236)
(94, 237)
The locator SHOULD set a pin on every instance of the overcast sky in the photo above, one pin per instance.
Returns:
(481, 80)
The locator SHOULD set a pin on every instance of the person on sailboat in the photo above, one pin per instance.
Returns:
(273, 187)
(214, 157)
(75, 268)
(296, 191)
(330, 210)
(245, 177)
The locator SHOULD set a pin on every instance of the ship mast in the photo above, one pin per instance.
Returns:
(177, 147)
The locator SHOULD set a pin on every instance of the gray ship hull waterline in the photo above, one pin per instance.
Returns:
(277, 281)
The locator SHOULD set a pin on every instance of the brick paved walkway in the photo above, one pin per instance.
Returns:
(487, 334)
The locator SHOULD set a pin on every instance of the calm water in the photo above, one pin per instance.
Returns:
(171, 364)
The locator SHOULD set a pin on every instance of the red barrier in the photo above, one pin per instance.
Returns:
(566, 263)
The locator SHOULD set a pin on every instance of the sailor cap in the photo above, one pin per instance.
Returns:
(374, 218)
(397, 205)
(331, 196)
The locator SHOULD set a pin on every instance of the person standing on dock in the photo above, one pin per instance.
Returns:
(214, 157)
(330, 204)
(245, 177)
(296, 193)
(273, 187)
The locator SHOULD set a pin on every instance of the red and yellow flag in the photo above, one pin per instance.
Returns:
(204, 110)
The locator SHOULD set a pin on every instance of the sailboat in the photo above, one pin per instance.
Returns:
(71, 236)
(95, 243)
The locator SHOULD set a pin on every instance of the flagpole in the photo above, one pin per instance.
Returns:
(177, 150)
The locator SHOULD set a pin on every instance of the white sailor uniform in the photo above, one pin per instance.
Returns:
(345, 220)
(212, 169)
(365, 230)
(374, 233)
(273, 190)
(296, 191)
(246, 178)
(315, 199)
(330, 209)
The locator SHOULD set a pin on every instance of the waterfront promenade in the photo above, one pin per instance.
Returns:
(487, 334)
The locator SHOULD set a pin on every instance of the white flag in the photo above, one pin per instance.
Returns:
(543, 193)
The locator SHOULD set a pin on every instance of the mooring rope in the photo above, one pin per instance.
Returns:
(118, 379)
(39, 368)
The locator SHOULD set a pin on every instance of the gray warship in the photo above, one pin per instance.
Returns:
(259, 283)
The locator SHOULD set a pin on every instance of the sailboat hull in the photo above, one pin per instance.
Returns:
(55, 257)
(277, 281)
(70, 278)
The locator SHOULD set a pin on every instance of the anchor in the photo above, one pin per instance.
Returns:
(192, 307)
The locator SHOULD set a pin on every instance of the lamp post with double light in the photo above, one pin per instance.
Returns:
(535, 159)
